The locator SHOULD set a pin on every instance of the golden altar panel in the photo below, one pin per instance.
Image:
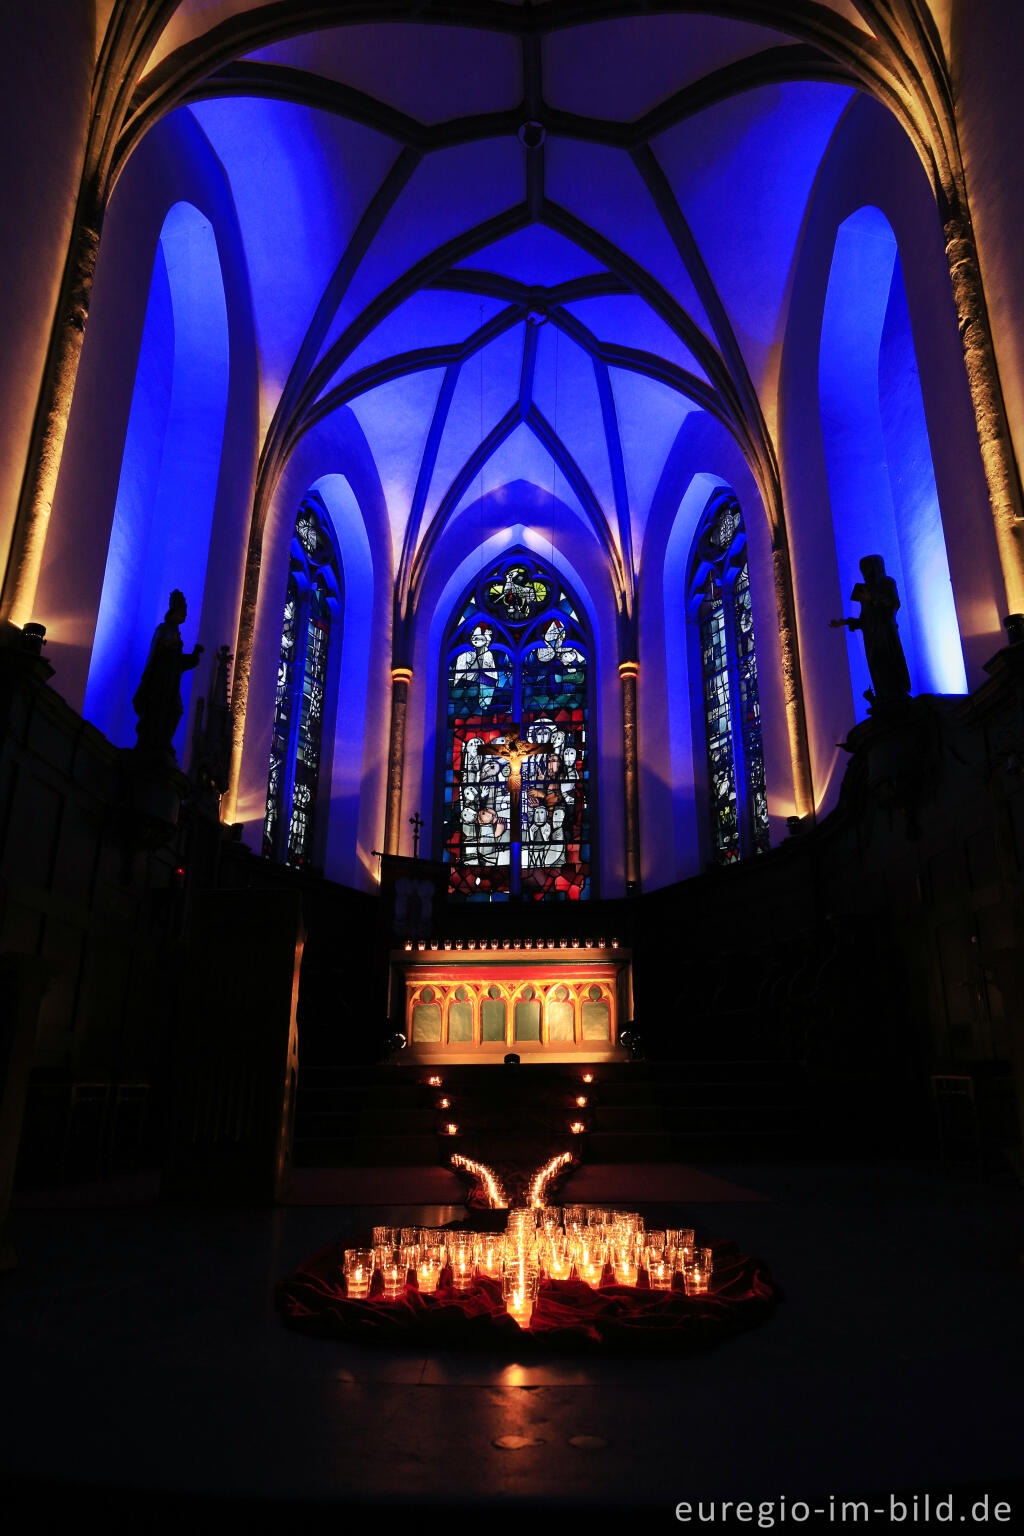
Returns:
(466, 1005)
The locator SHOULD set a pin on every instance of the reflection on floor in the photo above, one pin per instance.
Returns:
(142, 1352)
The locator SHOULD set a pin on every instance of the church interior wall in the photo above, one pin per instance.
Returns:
(334, 461)
(208, 468)
(673, 770)
(524, 515)
(46, 68)
(870, 165)
(939, 871)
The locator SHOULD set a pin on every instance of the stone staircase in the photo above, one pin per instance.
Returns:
(636, 1112)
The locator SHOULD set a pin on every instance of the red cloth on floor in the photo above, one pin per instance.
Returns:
(567, 1316)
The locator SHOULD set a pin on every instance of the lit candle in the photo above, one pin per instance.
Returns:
(444, 1103)
(577, 1127)
(428, 1272)
(462, 1272)
(358, 1272)
(451, 1129)
(561, 1267)
(434, 1082)
(588, 1077)
(394, 1282)
(581, 1100)
(625, 1271)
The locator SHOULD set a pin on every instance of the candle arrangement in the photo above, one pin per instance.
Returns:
(593, 1245)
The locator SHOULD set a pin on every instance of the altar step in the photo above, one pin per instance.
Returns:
(637, 1112)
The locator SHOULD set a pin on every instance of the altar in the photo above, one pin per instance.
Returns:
(474, 1001)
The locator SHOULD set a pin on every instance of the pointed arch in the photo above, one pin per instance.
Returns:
(167, 490)
(519, 659)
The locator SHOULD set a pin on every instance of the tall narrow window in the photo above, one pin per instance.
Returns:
(718, 594)
(311, 601)
(516, 769)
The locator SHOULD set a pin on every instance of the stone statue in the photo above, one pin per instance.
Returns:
(879, 601)
(157, 700)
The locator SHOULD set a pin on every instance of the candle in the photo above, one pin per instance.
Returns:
(434, 1082)
(394, 1281)
(588, 1077)
(462, 1271)
(357, 1282)
(577, 1127)
(659, 1276)
(561, 1267)
(444, 1103)
(428, 1272)
(451, 1129)
(581, 1100)
(625, 1271)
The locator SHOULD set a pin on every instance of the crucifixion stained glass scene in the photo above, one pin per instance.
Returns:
(516, 803)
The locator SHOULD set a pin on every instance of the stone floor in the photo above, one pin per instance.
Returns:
(144, 1367)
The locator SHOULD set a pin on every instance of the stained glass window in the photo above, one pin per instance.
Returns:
(719, 605)
(516, 767)
(311, 604)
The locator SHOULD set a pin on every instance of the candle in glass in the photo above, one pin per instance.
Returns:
(592, 1268)
(428, 1273)
(588, 1077)
(626, 1268)
(462, 1255)
(489, 1257)
(358, 1272)
(695, 1279)
(659, 1271)
(394, 1280)
(519, 1282)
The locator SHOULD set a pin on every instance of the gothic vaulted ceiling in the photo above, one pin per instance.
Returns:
(516, 242)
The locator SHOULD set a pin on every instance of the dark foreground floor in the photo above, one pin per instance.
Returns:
(145, 1372)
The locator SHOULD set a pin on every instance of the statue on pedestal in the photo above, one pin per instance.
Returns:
(157, 700)
(879, 602)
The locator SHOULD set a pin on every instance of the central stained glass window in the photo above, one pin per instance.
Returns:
(517, 774)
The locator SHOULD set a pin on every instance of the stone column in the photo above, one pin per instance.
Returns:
(997, 453)
(628, 672)
(401, 678)
(47, 446)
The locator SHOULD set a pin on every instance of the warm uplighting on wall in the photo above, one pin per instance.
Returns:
(495, 1194)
